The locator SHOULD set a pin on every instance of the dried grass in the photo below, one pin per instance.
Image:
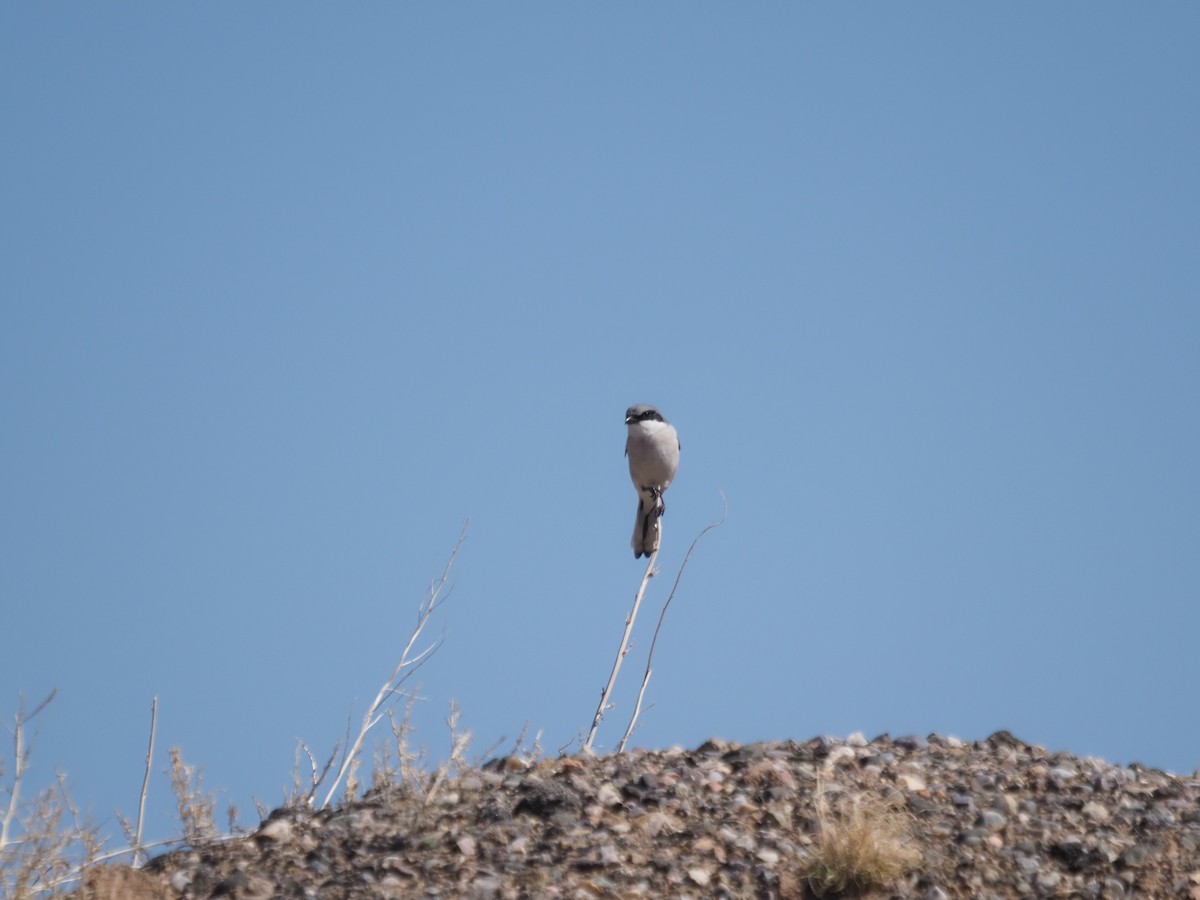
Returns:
(865, 842)
(195, 805)
(47, 850)
(43, 840)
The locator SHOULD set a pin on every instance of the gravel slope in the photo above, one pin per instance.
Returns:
(997, 818)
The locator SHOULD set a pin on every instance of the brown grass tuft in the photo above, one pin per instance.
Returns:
(865, 842)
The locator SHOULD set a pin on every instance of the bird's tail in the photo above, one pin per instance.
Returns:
(647, 529)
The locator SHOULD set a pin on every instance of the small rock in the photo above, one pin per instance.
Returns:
(991, 820)
(745, 841)
(700, 876)
(1135, 857)
(608, 795)
(713, 745)
(768, 856)
(180, 880)
(1159, 817)
(840, 754)
(1072, 852)
(1096, 812)
(912, 742)
(1048, 881)
(485, 887)
(1004, 738)
(515, 764)
(390, 887)
(1005, 804)
(278, 830)
(1114, 889)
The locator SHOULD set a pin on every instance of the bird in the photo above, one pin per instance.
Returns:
(653, 448)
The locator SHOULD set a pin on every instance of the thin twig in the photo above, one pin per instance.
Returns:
(459, 740)
(621, 651)
(20, 763)
(637, 707)
(399, 674)
(137, 836)
(86, 836)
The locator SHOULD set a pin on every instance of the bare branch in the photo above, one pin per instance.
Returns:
(137, 837)
(405, 667)
(602, 707)
(20, 763)
(637, 707)
(86, 835)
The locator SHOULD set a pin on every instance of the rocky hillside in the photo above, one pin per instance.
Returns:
(891, 817)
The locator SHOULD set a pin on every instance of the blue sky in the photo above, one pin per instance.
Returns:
(291, 291)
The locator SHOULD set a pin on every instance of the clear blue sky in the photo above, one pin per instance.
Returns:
(289, 291)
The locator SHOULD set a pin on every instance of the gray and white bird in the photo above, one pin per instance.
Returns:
(653, 450)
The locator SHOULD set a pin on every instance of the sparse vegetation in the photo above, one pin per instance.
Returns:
(389, 693)
(42, 839)
(865, 842)
(195, 805)
(46, 851)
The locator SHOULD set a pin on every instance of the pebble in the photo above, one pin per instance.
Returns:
(1096, 812)
(991, 820)
(912, 742)
(608, 795)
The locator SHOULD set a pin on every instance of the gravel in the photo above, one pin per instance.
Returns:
(997, 818)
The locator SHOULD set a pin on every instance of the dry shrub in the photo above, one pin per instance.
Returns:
(42, 856)
(43, 840)
(865, 842)
(194, 803)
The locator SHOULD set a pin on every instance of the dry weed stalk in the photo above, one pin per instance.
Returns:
(865, 842)
(301, 793)
(47, 854)
(136, 843)
(194, 805)
(21, 752)
(395, 763)
(85, 834)
(41, 858)
(459, 740)
(532, 752)
(405, 667)
(623, 648)
(637, 707)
